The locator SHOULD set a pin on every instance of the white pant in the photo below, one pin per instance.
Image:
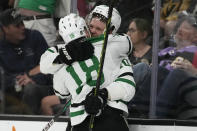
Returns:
(45, 26)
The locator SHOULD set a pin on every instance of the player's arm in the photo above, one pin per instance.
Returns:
(122, 45)
(59, 86)
(123, 88)
(53, 59)
(47, 65)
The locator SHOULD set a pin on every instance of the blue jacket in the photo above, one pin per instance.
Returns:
(17, 59)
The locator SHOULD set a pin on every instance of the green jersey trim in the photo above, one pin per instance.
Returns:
(50, 50)
(79, 89)
(126, 80)
(96, 39)
(73, 114)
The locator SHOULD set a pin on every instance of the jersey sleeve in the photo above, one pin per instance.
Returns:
(123, 88)
(59, 86)
(46, 62)
(122, 44)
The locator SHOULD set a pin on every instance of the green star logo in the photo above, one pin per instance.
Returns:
(72, 36)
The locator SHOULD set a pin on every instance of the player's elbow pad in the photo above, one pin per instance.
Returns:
(46, 62)
(120, 91)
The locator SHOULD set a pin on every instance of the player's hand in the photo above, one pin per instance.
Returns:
(94, 105)
(80, 51)
(75, 51)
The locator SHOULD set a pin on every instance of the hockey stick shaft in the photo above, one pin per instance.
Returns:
(102, 57)
(51, 122)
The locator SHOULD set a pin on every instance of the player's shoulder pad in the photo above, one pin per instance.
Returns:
(119, 38)
(122, 39)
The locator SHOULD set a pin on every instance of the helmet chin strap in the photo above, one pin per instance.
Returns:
(111, 29)
(88, 34)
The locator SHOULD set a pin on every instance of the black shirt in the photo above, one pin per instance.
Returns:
(147, 58)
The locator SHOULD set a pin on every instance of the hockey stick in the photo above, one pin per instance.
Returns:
(51, 122)
(102, 58)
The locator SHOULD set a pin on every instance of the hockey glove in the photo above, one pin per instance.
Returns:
(75, 51)
(94, 105)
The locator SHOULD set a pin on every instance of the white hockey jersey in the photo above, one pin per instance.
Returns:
(78, 79)
(46, 61)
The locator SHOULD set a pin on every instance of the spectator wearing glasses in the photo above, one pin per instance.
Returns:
(177, 97)
(20, 52)
(140, 32)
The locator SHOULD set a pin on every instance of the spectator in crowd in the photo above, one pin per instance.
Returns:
(20, 55)
(170, 29)
(177, 97)
(183, 105)
(140, 32)
(185, 39)
(170, 11)
(40, 17)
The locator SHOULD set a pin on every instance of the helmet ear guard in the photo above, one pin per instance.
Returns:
(101, 12)
(72, 27)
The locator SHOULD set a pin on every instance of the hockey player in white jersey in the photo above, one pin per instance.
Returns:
(73, 30)
(117, 85)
